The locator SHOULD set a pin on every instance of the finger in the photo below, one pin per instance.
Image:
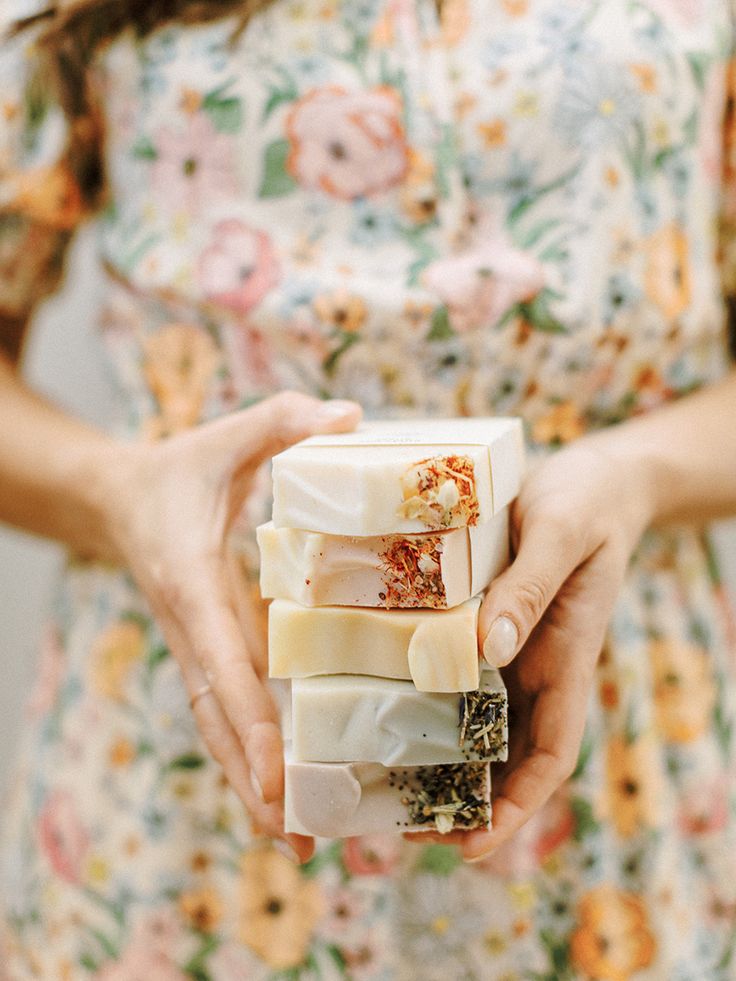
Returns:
(251, 611)
(217, 643)
(516, 600)
(253, 435)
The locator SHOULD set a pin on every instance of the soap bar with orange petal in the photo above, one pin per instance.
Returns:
(436, 570)
(339, 800)
(399, 477)
(436, 649)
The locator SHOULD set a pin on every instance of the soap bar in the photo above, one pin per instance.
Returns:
(434, 570)
(338, 800)
(436, 649)
(398, 477)
(352, 717)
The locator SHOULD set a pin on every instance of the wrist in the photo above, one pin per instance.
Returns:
(636, 475)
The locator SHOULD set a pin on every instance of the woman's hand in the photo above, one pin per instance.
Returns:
(176, 502)
(578, 518)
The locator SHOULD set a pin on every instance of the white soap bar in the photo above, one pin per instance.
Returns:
(434, 570)
(436, 649)
(339, 800)
(396, 476)
(338, 718)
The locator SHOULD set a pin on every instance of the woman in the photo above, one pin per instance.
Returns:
(464, 208)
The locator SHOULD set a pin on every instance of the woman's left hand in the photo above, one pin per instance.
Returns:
(577, 520)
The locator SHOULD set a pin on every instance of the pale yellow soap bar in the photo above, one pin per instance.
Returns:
(435, 570)
(398, 477)
(436, 649)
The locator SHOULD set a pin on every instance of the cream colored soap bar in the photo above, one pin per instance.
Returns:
(436, 570)
(398, 477)
(339, 718)
(338, 800)
(436, 649)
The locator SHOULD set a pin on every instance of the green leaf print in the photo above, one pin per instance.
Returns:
(530, 198)
(586, 751)
(330, 362)
(225, 111)
(280, 94)
(585, 822)
(538, 314)
(143, 149)
(156, 655)
(559, 952)
(276, 180)
(189, 761)
(439, 859)
(440, 328)
(700, 62)
(332, 855)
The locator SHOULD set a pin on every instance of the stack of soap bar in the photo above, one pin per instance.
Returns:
(434, 570)
(380, 544)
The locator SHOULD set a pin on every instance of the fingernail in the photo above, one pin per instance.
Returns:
(335, 408)
(501, 642)
(256, 785)
(286, 850)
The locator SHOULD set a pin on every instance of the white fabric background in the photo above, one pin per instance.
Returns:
(64, 362)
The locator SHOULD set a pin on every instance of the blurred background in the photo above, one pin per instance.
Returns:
(65, 362)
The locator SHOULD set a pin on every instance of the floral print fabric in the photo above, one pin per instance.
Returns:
(510, 208)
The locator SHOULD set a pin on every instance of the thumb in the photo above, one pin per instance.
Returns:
(548, 553)
(251, 436)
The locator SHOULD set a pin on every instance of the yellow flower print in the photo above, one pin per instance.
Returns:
(121, 753)
(493, 133)
(418, 193)
(667, 277)
(341, 309)
(684, 690)
(115, 652)
(633, 784)
(613, 939)
(646, 76)
(180, 361)
(562, 424)
(202, 909)
(278, 909)
(455, 21)
(515, 8)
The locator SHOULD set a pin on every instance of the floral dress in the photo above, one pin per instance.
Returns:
(505, 206)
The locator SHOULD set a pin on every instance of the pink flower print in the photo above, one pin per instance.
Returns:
(344, 909)
(194, 165)
(481, 284)
(348, 144)
(62, 835)
(139, 962)
(50, 674)
(704, 809)
(238, 267)
(365, 959)
(371, 854)
(689, 12)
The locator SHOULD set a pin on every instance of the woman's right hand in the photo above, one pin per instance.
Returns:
(168, 521)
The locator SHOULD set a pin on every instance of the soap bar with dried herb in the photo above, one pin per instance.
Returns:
(340, 718)
(338, 800)
(436, 649)
(435, 570)
(399, 476)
